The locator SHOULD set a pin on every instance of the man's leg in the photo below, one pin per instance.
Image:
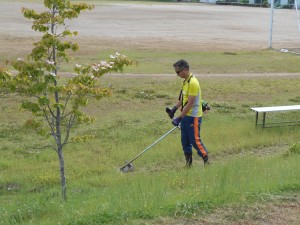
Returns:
(189, 159)
(186, 144)
(196, 140)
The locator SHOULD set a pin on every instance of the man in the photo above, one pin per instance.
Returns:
(190, 102)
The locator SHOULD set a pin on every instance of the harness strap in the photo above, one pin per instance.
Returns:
(180, 94)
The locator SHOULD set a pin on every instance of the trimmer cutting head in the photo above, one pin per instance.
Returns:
(127, 168)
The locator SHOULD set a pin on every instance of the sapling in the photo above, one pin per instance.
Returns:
(56, 106)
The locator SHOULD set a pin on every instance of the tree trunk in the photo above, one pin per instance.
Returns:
(60, 149)
(62, 173)
(59, 144)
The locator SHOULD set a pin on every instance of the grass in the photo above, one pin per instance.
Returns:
(246, 162)
(264, 61)
(180, 193)
(161, 61)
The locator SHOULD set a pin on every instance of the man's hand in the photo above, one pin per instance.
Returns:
(176, 121)
(171, 112)
(205, 107)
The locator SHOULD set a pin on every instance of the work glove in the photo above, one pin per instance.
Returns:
(171, 112)
(205, 106)
(176, 121)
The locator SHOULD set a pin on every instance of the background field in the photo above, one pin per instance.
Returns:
(254, 175)
(157, 26)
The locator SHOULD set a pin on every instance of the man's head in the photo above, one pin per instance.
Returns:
(182, 68)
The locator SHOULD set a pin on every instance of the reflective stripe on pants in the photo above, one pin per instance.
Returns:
(190, 135)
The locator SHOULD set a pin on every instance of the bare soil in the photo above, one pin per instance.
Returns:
(202, 27)
(198, 27)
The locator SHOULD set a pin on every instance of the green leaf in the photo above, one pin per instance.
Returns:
(58, 105)
(74, 47)
(5, 75)
(43, 101)
(30, 106)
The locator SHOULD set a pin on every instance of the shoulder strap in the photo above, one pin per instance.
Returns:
(180, 94)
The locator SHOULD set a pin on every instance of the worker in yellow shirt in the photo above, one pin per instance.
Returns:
(190, 118)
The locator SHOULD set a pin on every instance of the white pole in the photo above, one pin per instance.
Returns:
(296, 5)
(271, 23)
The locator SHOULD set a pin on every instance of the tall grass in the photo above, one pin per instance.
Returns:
(179, 192)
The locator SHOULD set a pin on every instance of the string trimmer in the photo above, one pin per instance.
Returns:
(128, 167)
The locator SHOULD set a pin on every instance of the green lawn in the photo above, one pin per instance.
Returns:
(246, 161)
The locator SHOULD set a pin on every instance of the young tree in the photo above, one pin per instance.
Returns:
(56, 105)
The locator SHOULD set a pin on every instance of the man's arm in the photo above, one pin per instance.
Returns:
(178, 104)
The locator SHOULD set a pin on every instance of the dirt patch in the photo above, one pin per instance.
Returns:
(281, 210)
(201, 27)
(272, 210)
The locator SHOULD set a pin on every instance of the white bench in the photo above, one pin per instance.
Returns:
(264, 110)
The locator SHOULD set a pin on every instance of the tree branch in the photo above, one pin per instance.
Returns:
(51, 124)
(65, 105)
(69, 126)
(41, 148)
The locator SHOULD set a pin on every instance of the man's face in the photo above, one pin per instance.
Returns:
(181, 72)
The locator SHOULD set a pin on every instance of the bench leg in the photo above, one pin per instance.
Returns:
(264, 120)
(256, 119)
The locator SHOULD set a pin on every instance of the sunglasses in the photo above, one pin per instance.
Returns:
(179, 71)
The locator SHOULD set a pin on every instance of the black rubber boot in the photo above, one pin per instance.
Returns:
(189, 159)
(205, 159)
